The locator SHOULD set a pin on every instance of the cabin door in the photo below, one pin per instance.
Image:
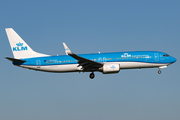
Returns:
(38, 63)
(156, 56)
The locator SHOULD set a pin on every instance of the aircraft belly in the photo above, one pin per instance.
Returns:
(53, 68)
(67, 68)
(74, 68)
(132, 65)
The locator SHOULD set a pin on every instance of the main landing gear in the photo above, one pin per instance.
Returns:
(92, 75)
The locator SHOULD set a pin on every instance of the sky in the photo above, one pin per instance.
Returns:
(89, 26)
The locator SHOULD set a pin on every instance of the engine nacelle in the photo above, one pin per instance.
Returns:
(110, 68)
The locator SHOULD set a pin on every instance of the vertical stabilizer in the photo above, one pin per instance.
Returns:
(19, 47)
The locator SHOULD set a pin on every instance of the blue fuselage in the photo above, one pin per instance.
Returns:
(127, 60)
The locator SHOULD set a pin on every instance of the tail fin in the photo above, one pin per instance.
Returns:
(19, 47)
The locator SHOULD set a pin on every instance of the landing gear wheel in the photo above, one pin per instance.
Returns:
(92, 75)
(159, 71)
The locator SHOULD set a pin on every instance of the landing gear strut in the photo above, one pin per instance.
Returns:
(159, 71)
(92, 75)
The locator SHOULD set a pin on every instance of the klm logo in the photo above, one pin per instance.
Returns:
(126, 55)
(113, 67)
(20, 47)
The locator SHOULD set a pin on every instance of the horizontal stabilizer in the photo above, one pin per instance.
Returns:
(15, 60)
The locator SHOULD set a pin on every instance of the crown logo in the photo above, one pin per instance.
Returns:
(113, 67)
(19, 44)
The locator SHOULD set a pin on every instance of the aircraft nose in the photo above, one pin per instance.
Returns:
(173, 59)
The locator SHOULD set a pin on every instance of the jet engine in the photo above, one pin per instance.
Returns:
(110, 68)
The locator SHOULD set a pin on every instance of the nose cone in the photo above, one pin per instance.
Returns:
(173, 60)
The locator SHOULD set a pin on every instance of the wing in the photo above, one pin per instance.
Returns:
(84, 62)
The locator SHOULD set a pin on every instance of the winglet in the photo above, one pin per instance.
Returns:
(67, 50)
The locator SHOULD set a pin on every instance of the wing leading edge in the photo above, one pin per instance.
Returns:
(84, 62)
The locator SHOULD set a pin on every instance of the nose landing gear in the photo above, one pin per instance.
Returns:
(161, 68)
(92, 75)
(159, 71)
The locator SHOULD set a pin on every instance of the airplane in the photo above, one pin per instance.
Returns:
(107, 63)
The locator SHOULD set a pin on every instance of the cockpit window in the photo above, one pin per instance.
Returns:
(166, 55)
